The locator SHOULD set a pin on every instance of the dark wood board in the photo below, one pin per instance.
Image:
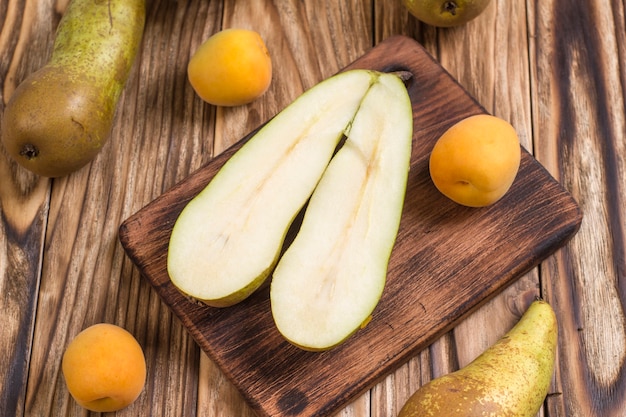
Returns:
(448, 260)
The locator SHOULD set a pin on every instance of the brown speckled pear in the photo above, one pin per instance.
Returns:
(509, 379)
(59, 118)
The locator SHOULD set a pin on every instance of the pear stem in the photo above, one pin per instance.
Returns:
(403, 75)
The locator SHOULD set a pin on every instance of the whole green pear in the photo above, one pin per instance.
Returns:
(59, 117)
(510, 379)
(445, 13)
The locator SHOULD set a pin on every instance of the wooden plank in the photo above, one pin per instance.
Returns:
(24, 199)
(579, 78)
(173, 134)
(308, 41)
(85, 276)
(490, 60)
(455, 258)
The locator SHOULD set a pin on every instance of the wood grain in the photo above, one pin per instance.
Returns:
(581, 120)
(445, 264)
(24, 200)
(554, 68)
(473, 54)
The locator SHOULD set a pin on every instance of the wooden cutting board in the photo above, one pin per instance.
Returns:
(448, 260)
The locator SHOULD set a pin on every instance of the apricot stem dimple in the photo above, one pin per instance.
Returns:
(29, 151)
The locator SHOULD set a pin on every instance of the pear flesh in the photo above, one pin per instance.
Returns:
(227, 239)
(328, 282)
(511, 378)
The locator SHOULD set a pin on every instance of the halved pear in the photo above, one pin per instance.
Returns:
(328, 282)
(227, 239)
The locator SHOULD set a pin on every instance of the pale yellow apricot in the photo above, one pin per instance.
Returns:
(475, 162)
(104, 368)
(231, 68)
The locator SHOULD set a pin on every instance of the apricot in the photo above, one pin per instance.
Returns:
(475, 162)
(231, 68)
(104, 368)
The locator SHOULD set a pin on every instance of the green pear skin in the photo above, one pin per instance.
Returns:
(59, 117)
(509, 379)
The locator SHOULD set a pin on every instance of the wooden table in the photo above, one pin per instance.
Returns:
(555, 69)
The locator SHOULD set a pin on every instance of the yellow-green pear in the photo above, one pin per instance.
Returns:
(60, 116)
(445, 13)
(510, 379)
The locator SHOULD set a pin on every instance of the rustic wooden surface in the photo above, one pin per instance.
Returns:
(483, 251)
(555, 69)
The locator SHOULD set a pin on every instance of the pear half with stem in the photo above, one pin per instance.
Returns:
(328, 282)
(227, 239)
(510, 378)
